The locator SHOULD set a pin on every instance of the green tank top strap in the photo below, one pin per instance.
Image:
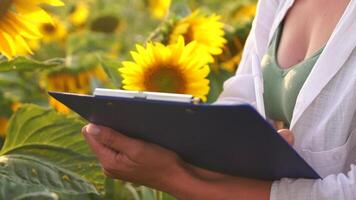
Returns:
(282, 86)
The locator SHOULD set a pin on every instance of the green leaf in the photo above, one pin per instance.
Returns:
(1, 141)
(53, 138)
(120, 190)
(111, 69)
(23, 177)
(217, 79)
(147, 193)
(168, 197)
(27, 64)
(5, 106)
(89, 42)
(22, 87)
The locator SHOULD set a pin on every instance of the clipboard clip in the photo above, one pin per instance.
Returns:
(159, 96)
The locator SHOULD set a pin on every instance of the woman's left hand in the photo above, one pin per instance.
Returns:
(131, 159)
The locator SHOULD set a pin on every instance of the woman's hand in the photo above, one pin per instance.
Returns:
(287, 135)
(131, 159)
(144, 163)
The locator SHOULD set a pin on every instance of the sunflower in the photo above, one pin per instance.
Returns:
(206, 30)
(231, 56)
(55, 31)
(159, 8)
(176, 68)
(75, 82)
(17, 23)
(245, 13)
(80, 13)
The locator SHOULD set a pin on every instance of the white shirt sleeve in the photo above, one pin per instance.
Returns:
(333, 187)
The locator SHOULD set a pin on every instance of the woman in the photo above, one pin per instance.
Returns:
(309, 46)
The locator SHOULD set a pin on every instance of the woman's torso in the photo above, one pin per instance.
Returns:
(324, 116)
(307, 27)
(326, 128)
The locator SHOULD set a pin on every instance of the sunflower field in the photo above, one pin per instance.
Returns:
(174, 46)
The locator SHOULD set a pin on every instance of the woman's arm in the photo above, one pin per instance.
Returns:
(190, 187)
(148, 164)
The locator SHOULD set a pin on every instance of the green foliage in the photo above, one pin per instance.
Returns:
(44, 155)
(119, 190)
(1, 142)
(116, 189)
(89, 42)
(22, 177)
(27, 64)
(111, 69)
(217, 79)
(5, 105)
(21, 87)
(45, 152)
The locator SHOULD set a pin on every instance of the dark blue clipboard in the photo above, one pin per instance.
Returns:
(232, 139)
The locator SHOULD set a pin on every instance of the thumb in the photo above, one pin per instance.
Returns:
(287, 135)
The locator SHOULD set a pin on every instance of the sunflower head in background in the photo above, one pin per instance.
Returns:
(159, 8)
(107, 24)
(245, 13)
(207, 31)
(53, 32)
(18, 24)
(232, 52)
(176, 68)
(79, 14)
(236, 36)
(79, 81)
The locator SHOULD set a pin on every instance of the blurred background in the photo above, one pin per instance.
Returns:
(89, 41)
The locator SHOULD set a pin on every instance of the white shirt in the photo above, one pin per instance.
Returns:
(324, 118)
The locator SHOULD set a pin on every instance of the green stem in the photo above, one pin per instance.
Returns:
(158, 195)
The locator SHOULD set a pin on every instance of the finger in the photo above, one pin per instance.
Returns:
(112, 139)
(287, 135)
(105, 155)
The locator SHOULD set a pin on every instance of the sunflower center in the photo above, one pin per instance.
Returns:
(48, 28)
(105, 24)
(165, 79)
(189, 35)
(4, 6)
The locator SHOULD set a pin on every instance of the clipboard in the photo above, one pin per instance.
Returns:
(231, 139)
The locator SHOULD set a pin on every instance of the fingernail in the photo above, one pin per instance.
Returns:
(92, 129)
(84, 129)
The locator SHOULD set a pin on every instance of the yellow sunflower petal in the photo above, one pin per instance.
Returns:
(18, 24)
(5, 47)
(207, 31)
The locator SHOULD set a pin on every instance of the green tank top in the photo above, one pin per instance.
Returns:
(282, 86)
